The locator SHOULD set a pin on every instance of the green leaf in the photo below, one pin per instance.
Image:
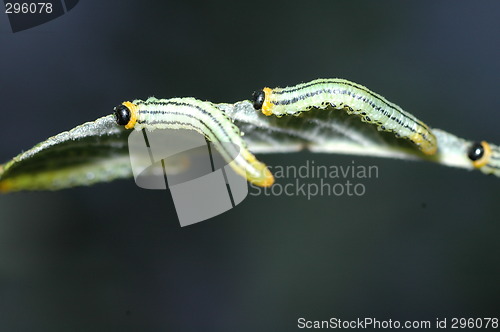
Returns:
(90, 153)
(97, 151)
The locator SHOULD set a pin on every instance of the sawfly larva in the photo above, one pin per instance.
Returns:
(355, 99)
(201, 116)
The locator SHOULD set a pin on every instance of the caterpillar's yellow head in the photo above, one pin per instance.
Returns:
(479, 154)
(485, 157)
(126, 114)
(262, 100)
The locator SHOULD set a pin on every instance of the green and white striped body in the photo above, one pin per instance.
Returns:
(355, 99)
(208, 120)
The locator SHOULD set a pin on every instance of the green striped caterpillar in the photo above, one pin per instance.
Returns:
(355, 99)
(201, 116)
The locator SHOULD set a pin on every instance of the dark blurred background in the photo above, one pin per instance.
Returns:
(421, 244)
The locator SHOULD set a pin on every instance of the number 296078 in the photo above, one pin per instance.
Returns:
(28, 7)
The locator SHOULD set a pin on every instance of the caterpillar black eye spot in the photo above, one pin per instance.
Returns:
(122, 115)
(258, 98)
(476, 151)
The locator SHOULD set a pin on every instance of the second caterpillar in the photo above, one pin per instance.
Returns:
(352, 97)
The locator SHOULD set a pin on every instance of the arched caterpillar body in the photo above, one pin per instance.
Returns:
(355, 99)
(201, 116)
